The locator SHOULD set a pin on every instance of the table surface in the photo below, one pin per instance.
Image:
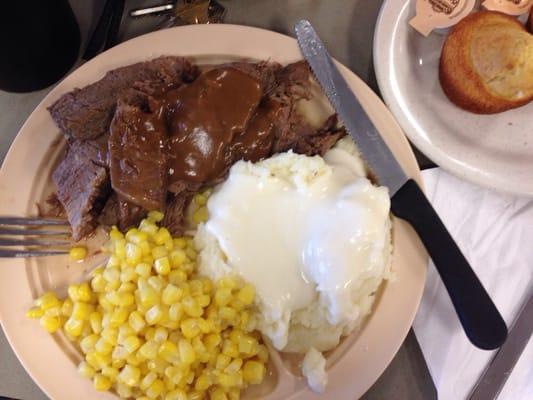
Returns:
(346, 27)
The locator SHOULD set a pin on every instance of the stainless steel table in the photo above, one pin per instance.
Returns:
(346, 27)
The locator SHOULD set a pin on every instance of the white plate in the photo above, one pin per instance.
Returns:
(491, 150)
(51, 360)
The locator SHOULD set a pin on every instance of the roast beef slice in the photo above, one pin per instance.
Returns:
(82, 187)
(137, 158)
(86, 113)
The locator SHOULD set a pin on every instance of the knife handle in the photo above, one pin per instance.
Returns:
(479, 317)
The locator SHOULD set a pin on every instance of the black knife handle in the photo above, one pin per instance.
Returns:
(479, 317)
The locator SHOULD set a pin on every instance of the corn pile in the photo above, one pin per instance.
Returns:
(150, 327)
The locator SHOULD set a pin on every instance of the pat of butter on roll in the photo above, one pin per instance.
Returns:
(312, 234)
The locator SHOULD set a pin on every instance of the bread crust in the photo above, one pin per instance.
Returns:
(457, 75)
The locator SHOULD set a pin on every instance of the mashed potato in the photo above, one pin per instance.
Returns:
(312, 235)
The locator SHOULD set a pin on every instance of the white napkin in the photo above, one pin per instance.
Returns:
(495, 233)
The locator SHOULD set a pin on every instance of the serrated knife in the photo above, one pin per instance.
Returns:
(480, 318)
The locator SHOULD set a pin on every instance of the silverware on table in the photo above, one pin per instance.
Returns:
(33, 237)
(479, 317)
(493, 379)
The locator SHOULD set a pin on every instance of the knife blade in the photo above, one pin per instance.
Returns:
(478, 315)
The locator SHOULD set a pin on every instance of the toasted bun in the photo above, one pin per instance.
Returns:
(486, 64)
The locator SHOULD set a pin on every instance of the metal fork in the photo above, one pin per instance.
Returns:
(33, 237)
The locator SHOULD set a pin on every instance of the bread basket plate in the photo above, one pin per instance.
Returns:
(491, 150)
(24, 179)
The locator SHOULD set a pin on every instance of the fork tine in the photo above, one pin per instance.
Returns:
(32, 221)
(29, 253)
(31, 232)
(31, 242)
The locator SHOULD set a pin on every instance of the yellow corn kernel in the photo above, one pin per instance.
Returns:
(130, 375)
(73, 327)
(157, 365)
(47, 300)
(253, 372)
(191, 254)
(159, 251)
(177, 257)
(180, 243)
(128, 275)
(196, 287)
(110, 372)
(162, 236)
(156, 216)
(88, 342)
(131, 343)
(101, 383)
(168, 351)
(157, 283)
(186, 352)
(77, 253)
(136, 236)
(119, 316)
(228, 314)
(102, 360)
(147, 380)
(222, 361)
(124, 391)
(262, 353)
(246, 294)
(248, 345)
(136, 321)
(120, 249)
(143, 269)
(176, 394)
(227, 380)
(162, 265)
(191, 307)
(51, 323)
(177, 277)
(155, 389)
(85, 370)
(81, 311)
(204, 326)
(227, 282)
(98, 283)
(171, 294)
(124, 331)
(234, 366)
(133, 360)
(35, 313)
(133, 253)
(148, 297)
(110, 275)
(115, 234)
(189, 328)
(230, 349)
(66, 307)
(110, 334)
(211, 341)
(218, 394)
(153, 315)
(175, 312)
(223, 296)
(200, 215)
(160, 334)
(149, 350)
(202, 382)
(102, 346)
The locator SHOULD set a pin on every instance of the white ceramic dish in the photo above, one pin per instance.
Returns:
(51, 360)
(490, 150)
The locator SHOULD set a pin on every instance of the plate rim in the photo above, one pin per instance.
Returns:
(382, 59)
(60, 88)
